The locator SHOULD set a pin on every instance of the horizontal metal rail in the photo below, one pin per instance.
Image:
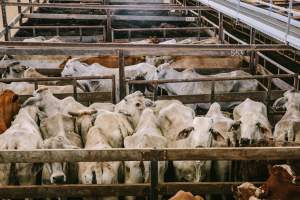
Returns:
(167, 188)
(107, 7)
(8, 80)
(212, 79)
(163, 29)
(121, 154)
(54, 27)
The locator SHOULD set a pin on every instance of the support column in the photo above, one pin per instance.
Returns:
(4, 20)
(252, 63)
(108, 25)
(122, 82)
(221, 27)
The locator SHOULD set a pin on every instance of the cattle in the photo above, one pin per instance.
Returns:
(108, 61)
(280, 184)
(200, 135)
(165, 72)
(221, 169)
(175, 118)
(288, 127)
(59, 132)
(147, 135)
(55, 39)
(10, 106)
(108, 132)
(251, 122)
(150, 40)
(247, 191)
(24, 134)
(181, 195)
(132, 107)
(25, 88)
(51, 106)
(75, 68)
(160, 104)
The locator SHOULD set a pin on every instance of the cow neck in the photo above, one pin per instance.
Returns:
(173, 74)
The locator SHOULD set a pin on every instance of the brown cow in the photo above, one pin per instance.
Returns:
(181, 195)
(9, 107)
(107, 61)
(280, 184)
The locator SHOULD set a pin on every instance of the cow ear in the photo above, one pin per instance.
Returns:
(262, 128)
(217, 136)
(149, 103)
(31, 101)
(184, 133)
(15, 98)
(235, 126)
(280, 103)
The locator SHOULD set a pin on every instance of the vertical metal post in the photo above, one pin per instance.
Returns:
(104, 34)
(154, 180)
(19, 12)
(289, 20)
(269, 91)
(108, 24)
(113, 93)
(122, 82)
(36, 85)
(296, 81)
(221, 27)
(4, 20)
(80, 34)
(31, 9)
(252, 63)
(75, 89)
(129, 35)
(212, 92)
(33, 32)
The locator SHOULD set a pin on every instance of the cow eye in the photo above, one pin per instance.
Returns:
(137, 104)
(157, 71)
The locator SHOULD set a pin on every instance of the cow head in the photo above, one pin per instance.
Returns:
(283, 173)
(162, 71)
(14, 70)
(132, 106)
(201, 134)
(84, 121)
(56, 173)
(252, 128)
(74, 67)
(290, 98)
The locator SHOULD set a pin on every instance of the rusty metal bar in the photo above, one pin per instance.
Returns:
(74, 83)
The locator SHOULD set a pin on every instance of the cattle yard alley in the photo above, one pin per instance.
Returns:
(145, 99)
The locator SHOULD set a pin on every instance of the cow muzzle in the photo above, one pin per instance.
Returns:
(59, 179)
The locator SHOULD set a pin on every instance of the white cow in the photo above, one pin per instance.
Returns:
(132, 107)
(252, 122)
(109, 131)
(201, 135)
(25, 88)
(147, 135)
(175, 118)
(75, 68)
(59, 133)
(55, 39)
(165, 71)
(51, 106)
(24, 134)
(289, 125)
(224, 138)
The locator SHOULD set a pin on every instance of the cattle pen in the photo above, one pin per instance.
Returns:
(102, 38)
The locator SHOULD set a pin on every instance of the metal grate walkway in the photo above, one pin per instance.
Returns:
(260, 19)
